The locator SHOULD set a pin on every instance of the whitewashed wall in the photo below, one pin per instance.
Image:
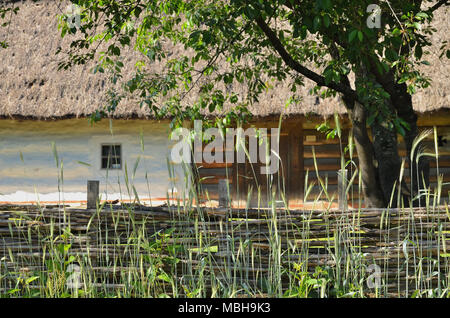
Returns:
(28, 168)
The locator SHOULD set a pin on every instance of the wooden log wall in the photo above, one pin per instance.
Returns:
(328, 159)
(326, 155)
(245, 177)
(299, 137)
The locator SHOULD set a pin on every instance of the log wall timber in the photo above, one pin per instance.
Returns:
(298, 139)
(327, 153)
(246, 177)
(296, 165)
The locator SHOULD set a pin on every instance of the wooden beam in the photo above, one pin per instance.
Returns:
(295, 174)
(436, 118)
(342, 187)
(209, 179)
(214, 165)
(223, 193)
(93, 189)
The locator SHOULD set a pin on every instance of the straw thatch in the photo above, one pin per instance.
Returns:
(31, 86)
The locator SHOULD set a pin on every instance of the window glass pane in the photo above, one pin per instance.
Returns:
(104, 163)
(105, 150)
(116, 150)
(111, 157)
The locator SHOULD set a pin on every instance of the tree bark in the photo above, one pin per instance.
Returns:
(373, 196)
(402, 101)
(388, 160)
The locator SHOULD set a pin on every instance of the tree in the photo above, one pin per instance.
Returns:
(322, 41)
(6, 14)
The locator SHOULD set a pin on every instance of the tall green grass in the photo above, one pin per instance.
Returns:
(121, 252)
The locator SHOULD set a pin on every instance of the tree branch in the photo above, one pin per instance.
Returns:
(289, 60)
(438, 5)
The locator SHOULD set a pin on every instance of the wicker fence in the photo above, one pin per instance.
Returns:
(244, 247)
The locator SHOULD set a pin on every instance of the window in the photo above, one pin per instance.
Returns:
(111, 157)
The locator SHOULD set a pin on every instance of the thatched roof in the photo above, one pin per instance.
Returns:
(32, 87)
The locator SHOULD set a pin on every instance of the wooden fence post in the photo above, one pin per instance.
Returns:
(93, 189)
(223, 193)
(342, 187)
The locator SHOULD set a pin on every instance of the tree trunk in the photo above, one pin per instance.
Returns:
(402, 101)
(388, 160)
(373, 196)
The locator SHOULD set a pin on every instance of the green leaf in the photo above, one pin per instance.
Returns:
(317, 22)
(31, 279)
(164, 277)
(402, 80)
(326, 21)
(371, 119)
(352, 35)
(332, 134)
(391, 55)
(360, 36)
(137, 12)
(70, 260)
(422, 15)
(64, 31)
(396, 32)
(327, 4)
(399, 128)
(418, 52)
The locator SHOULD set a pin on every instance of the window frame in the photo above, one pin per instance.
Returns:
(112, 156)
